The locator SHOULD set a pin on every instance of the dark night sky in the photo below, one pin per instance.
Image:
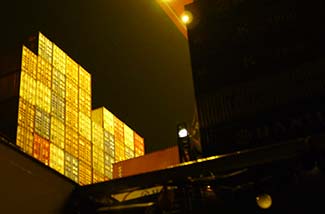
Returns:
(139, 61)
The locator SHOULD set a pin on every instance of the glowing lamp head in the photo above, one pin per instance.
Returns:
(186, 17)
(182, 133)
(264, 201)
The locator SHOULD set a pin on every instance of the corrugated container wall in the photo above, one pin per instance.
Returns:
(41, 149)
(138, 145)
(150, 162)
(57, 158)
(85, 173)
(71, 167)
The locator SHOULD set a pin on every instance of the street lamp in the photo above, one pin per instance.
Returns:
(183, 142)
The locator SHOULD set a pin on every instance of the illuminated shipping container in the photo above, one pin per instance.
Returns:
(58, 106)
(109, 144)
(108, 121)
(97, 136)
(138, 145)
(44, 72)
(71, 144)
(29, 62)
(128, 152)
(57, 158)
(108, 166)
(71, 167)
(84, 102)
(98, 159)
(26, 115)
(43, 97)
(72, 71)
(71, 116)
(85, 126)
(45, 47)
(128, 137)
(105, 118)
(150, 162)
(119, 151)
(119, 139)
(85, 150)
(41, 149)
(59, 59)
(84, 80)
(72, 96)
(98, 177)
(25, 140)
(27, 88)
(58, 82)
(57, 132)
(85, 173)
(42, 123)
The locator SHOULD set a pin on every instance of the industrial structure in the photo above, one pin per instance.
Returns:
(48, 113)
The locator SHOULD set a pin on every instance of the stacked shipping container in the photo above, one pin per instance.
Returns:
(55, 122)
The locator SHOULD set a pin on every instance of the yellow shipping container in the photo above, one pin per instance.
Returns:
(84, 102)
(71, 167)
(98, 159)
(108, 166)
(56, 158)
(27, 87)
(105, 118)
(58, 106)
(84, 80)
(129, 153)
(29, 62)
(98, 177)
(57, 132)
(97, 135)
(58, 82)
(85, 126)
(45, 48)
(119, 151)
(59, 59)
(43, 97)
(108, 121)
(71, 144)
(25, 139)
(97, 116)
(71, 91)
(85, 173)
(84, 150)
(44, 72)
(72, 116)
(118, 131)
(128, 137)
(26, 114)
(72, 70)
(42, 123)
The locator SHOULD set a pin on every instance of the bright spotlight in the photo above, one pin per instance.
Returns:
(186, 17)
(182, 133)
(264, 201)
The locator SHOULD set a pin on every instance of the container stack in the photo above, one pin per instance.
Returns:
(49, 114)
(118, 141)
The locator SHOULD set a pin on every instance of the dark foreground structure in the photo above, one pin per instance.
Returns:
(258, 76)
